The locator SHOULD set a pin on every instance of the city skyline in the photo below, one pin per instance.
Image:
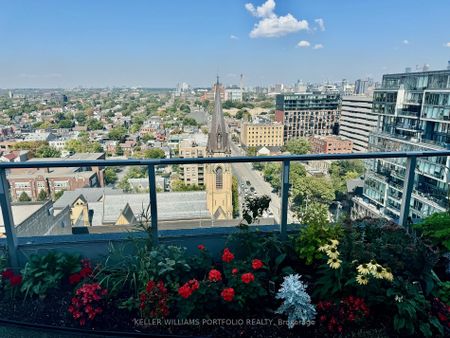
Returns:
(158, 44)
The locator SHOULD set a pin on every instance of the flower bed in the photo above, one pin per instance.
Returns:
(365, 278)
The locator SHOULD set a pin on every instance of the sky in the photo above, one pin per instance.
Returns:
(159, 43)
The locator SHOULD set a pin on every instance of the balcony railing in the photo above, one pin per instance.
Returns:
(5, 203)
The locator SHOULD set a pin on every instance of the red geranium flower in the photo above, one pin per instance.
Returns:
(185, 291)
(214, 275)
(247, 278)
(201, 247)
(194, 284)
(15, 280)
(75, 278)
(227, 256)
(227, 294)
(7, 274)
(234, 271)
(257, 264)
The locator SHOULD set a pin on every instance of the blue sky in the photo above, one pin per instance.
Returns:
(154, 43)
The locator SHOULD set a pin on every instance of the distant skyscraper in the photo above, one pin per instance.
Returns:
(413, 115)
(448, 65)
(308, 114)
(361, 86)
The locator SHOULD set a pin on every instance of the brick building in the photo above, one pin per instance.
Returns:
(330, 145)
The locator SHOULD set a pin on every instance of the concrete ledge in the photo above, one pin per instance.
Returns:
(96, 246)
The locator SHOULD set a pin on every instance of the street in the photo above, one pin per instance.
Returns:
(244, 172)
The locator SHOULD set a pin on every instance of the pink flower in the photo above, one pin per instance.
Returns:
(201, 247)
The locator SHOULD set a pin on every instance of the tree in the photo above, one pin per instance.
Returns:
(251, 151)
(110, 176)
(298, 146)
(178, 185)
(235, 197)
(154, 153)
(66, 123)
(83, 145)
(205, 104)
(185, 108)
(24, 197)
(42, 196)
(342, 171)
(47, 151)
(80, 118)
(58, 194)
(189, 121)
(117, 133)
(94, 124)
(119, 151)
(313, 189)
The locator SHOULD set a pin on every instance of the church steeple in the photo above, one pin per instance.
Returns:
(218, 138)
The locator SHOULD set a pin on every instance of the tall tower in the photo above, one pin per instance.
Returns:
(218, 177)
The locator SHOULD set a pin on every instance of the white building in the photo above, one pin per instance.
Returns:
(357, 121)
(233, 94)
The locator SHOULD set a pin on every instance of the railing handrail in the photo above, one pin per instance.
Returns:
(411, 162)
(230, 159)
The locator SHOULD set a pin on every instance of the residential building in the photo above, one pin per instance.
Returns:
(262, 134)
(414, 115)
(54, 180)
(357, 121)
(193, 146)
(308, 114)
(330, 145)
(233, 94)
(218, 176)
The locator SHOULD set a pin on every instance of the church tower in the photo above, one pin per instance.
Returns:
(218, 177)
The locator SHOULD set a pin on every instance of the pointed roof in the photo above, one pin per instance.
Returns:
(218, 138)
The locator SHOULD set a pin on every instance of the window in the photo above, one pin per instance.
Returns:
(219, 178)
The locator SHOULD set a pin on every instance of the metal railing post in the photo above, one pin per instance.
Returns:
(284, 199)
(8, 220)
(153, 202)
(408, 186)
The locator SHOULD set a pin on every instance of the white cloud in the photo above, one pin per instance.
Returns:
(320, 24)
(303, 44)
(318, 46)
(234, 37)
(405, 42)
(272, 25)
(263, 11)
(447, 44)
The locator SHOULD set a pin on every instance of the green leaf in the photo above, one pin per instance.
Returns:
(425, 329)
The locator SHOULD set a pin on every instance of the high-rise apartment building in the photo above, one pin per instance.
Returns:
(361, 86)
(308, 114)
(414, 115)
(357, 121)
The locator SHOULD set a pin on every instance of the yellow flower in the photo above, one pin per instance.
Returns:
(334, 263)
(377, 272)
(372, 265)
(334, 243)
(387, 274)
(363, 269)
(332, 253)
(362, 279)
(323, 248)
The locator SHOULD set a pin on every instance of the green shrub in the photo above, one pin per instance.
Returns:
(316, 233)
(45, 272)
(437, 229)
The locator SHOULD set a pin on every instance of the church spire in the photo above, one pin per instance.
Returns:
(218, 138)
